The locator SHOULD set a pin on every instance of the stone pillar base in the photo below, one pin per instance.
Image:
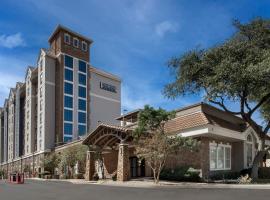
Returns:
(90, 165)
(123, 163)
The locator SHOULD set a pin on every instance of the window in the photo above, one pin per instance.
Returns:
(69, 61)
(82, 130)
(220, 157)
(68, 75)
(68, 129)
(67, 38)
(68, 102)
(84, 46)
(82, 117)
(75, 42)
(82, 92)
(40, 141)
(82, 105)
(68, 115)
(41, 64)
(41, 77)
(82, 66)
(68, 88)
(82, 79)
(41, 105)
(227, 158)
(40, 117)
(213, 157)
(67, 139)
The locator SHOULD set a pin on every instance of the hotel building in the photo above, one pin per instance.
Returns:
(63, 98)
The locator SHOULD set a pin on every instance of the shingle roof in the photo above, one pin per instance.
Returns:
(204, 117)
(185, 122)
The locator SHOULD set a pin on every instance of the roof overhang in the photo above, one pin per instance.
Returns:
(214, 132)
(107, 136)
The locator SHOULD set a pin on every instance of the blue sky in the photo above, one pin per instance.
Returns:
(133, 39)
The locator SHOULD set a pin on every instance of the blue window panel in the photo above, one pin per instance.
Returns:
(68, 61)
(68, 75)
(68, 129)
(68, 115)
(67, 139)
(82, 117)
(82, 66)
(82, 79)
(82, 92)
(68, 102)
(82, 104)
(82, 130)
(69, 88)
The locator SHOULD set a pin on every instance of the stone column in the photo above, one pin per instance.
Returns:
(123, 163)
(90, 165)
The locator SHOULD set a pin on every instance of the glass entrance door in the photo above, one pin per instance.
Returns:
(133, 167)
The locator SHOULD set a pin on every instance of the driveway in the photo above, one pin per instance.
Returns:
(42, 190)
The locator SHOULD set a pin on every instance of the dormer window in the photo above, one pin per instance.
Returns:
(67, 38)
(84, 46)
(75, 42)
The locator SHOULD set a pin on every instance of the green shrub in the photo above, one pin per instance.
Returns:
(95, 177)
(79, 176)
(114, 177)
(264, 173)
(246, 171)
(223, 175)
(181, 174)
(64, 176)
(2, 173)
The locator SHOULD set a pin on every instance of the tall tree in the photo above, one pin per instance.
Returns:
(238, 70)
(151, 141)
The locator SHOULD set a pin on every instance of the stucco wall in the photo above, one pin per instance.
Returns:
(105, 106)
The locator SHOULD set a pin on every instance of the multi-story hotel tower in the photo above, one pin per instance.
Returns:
(61, 100)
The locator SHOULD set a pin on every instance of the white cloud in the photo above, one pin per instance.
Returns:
(12, 41)
(166, 27)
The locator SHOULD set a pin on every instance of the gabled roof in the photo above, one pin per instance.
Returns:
(11, 92)
(28, 70)
(113, 133)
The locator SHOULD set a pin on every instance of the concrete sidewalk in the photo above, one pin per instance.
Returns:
(147, 183)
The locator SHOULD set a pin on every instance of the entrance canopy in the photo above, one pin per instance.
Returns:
(108, 136)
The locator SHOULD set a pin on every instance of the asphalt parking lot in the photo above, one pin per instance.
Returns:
(42, 190)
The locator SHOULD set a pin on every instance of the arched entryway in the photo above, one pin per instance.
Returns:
(113, 143)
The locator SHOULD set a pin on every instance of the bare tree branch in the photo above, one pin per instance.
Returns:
(266, 129)
(247, 106)
(263, 100)
(221, 104)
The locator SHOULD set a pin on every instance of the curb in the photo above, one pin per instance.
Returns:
(142, 184)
